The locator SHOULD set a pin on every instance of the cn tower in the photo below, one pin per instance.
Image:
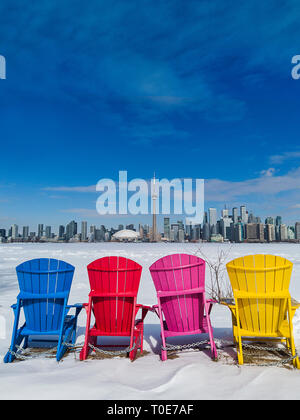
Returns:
(154, 226)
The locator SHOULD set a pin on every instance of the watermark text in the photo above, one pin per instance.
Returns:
(138, 196)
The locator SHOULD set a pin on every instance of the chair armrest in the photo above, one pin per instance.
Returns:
(14, 307)
(77, 306)
(155, 310)
(227, 302)
(295, 304)
(144, 309)
(212, 301)
(149, 308)
(230, 303)
(85, 306)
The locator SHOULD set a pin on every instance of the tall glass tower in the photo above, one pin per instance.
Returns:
(212, 212)
(154, 197)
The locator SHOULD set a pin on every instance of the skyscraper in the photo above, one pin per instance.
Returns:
(212, 212)
(254, 232)
(225, 212)
(270, 232)
(167, 227)
(225, 227)
(48, 232)
(14, 231)
(25, 232)
(244, 215)
(206, 232)
(238, 232)
(40, 230)
(83, 231)
(154, 197)
(269, 221)
(71, 230)
(61, 231)
(175, 230)
(235, 215)
(283, 232)
(297, 230)
(181, 235)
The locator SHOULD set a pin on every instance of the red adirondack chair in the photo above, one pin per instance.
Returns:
(180, 284)
(114, 285)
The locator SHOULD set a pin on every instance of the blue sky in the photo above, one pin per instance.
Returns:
(199, 89)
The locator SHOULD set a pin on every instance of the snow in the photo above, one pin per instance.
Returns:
(190, 376)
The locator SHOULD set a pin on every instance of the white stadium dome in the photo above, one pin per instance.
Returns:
(126, 235)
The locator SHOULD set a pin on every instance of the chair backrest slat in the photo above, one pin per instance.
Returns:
(114, 276)
(41, 277)
(180, 272)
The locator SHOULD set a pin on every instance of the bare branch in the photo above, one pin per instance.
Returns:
(219, 287)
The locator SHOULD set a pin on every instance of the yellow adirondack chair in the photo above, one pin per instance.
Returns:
(263, 308)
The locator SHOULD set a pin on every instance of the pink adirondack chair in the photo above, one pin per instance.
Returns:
(180, 284)
(114, 285)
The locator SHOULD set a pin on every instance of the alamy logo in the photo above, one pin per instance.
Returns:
(178, 196)
(2, 67)
(296, 69)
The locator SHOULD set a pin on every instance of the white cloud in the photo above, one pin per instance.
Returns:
(82, 212)
(88, 189)
(225, 191)
(279, 159)
(268, 172)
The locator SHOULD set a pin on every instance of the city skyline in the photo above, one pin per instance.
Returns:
(235, 225)
(93, 218)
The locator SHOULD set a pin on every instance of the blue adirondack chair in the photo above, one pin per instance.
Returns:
(44, 291)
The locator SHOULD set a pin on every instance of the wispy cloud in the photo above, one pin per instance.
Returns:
(268, 183)
(81, 211)
(79, 189)
(281, 158)
(268, 172)
(264, 186)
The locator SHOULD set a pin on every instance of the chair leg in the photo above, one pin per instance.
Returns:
(296, 362)
(292, 348)
(16, 341)
(86, 349)
(214, 353)
(142, 340)
(139, 331)
(17, 336)
(164, 353)
(239, 348)
(25, 346)
(61, 347)
(88, 340)
(136, 341)
(213, 348)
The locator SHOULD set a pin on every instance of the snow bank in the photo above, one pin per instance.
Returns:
(190, 376)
